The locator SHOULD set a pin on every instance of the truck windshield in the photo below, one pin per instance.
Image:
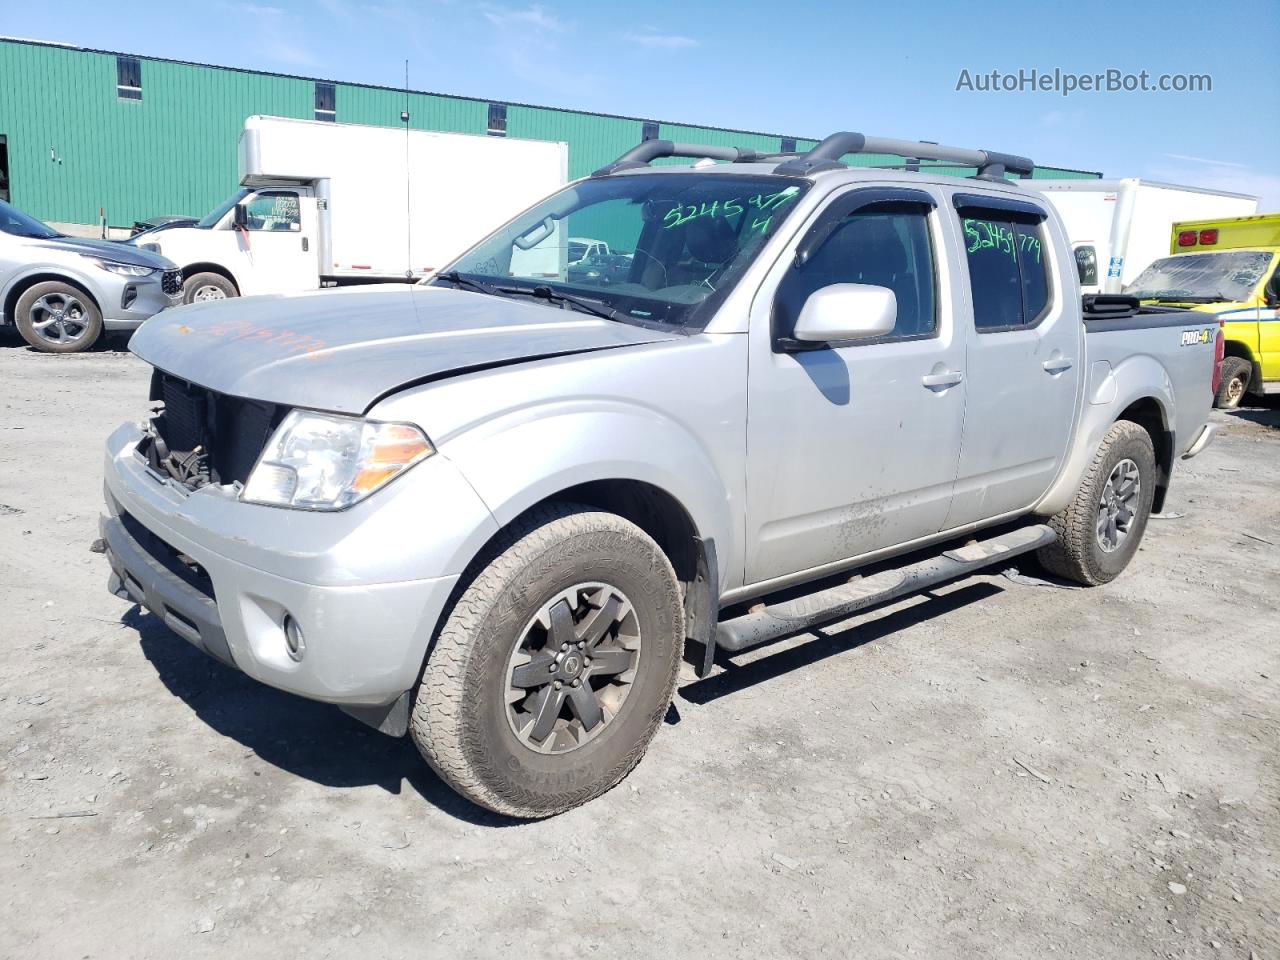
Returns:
(16, 223)
(212, 218)
(1210, 277)
(652, 248)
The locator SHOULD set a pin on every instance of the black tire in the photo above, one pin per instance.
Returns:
(1079, 553)
(55, 317)
(1236, 374)
(462, 721)
(207, 286)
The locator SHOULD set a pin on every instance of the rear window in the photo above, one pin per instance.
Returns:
(1008, 275)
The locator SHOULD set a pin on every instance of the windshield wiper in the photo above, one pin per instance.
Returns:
(553, 296)
(458, 280)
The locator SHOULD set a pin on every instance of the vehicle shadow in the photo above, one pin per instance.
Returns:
(114, 341)
(299, 736)
(737, 677)
(1264, 411)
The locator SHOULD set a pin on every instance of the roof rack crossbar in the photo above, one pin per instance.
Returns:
(645, 153)
(991, 164)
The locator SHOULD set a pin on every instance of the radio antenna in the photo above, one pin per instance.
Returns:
(408, 180)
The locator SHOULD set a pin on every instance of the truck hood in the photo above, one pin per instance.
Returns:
(107, 250)
(343, 350)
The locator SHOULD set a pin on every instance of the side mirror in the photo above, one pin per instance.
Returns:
(846, 311)
(1272, 294)
(241, 216)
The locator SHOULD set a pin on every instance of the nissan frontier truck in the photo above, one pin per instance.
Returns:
(489, 510)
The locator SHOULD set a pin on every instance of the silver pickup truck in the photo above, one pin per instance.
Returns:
(489, 510)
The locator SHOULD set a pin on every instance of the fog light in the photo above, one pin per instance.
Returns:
(293, 639)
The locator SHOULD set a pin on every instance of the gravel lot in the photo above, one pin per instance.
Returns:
(993, 770)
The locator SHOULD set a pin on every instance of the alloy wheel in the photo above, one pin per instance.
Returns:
(572, 668)
(1118, 505)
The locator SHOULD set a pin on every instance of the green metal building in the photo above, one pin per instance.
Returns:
(83, 131)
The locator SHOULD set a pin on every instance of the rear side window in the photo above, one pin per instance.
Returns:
(885, 246)
(1008, 274)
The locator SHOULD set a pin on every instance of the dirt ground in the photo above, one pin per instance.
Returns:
(993, 770)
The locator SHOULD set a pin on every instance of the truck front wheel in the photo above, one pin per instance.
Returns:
(555, 666)
(1099, 533)
(200, 287)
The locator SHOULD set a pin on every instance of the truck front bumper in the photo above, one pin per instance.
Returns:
(230, 577)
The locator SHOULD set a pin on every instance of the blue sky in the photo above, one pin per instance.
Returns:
(887, 68)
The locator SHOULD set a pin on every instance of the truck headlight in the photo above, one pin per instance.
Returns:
(322, 461)
(123, 269)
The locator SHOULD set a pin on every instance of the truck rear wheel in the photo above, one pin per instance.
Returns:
(200, 287)
(1236, 373)
(1099, 533)
(556, 665)
(55, 317)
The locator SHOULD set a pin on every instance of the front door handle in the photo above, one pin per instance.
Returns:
(306, 246)
(1057, 364)
(942, 378)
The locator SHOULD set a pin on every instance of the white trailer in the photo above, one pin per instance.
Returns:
(325, 204)
(1118, 227)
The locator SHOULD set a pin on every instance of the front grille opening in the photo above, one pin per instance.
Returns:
(202, 437)
(171, 282)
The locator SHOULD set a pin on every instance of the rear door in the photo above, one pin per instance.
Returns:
(278, 245)
(853, 446)
(1023, 356)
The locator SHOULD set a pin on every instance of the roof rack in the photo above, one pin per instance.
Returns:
(990, 164)
(645, 153)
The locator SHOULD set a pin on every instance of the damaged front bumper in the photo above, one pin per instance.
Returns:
(231, 577)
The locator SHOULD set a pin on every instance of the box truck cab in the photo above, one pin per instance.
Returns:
(1230, 269)
(327, 204)
(1117, 227)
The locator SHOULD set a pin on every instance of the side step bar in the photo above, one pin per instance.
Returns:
(837, 603)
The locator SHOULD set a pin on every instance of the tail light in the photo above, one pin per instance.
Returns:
(1208, 237)
(1219, 354)
(1186, 238)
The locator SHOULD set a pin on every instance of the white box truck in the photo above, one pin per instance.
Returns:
(327, 204)
(1118, 227)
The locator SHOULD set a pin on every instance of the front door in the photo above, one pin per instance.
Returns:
(1024, 355)
(853, 446)
(277, 245)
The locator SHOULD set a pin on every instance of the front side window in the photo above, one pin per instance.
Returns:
(128, 78)
(1201, 277)
(886, 245)
(326, 101)
(1008, 273)
(676, 243)
(273, 211)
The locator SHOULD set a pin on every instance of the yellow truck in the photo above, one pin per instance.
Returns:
(1230, 269)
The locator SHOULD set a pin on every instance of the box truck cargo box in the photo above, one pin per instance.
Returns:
(323, 204)
(1118, 227)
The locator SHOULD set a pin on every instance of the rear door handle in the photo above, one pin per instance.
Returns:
(1057, 364)
(944, 378)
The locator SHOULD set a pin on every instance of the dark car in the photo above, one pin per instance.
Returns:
(157, 223)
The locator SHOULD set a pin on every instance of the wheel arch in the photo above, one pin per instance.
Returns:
(23, 284)
(1150, 414)
(191, 269)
